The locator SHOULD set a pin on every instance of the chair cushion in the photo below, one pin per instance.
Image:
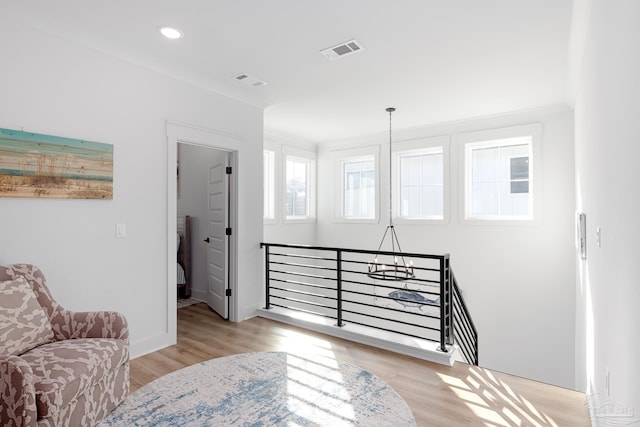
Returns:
(64, 370)
(23, 322)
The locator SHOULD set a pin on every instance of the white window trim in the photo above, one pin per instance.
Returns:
(417, 147)
(273, 187)
(535, 176)
(339, 157)
(311, 158)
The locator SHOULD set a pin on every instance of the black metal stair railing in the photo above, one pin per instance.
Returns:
(333, 283)
(464, 331)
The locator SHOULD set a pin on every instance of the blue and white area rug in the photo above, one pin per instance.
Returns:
(265, 389)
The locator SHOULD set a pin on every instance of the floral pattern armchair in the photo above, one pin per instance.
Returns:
(57, 367)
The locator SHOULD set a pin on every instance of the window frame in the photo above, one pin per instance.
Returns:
(355, 154)
(491, 138)
(310, 158)
(419, 147)
(269, 176)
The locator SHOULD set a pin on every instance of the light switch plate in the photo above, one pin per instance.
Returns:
(121, 230)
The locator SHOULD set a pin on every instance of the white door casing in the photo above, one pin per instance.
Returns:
(235, 145)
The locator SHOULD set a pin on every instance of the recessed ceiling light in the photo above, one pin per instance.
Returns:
(171, 33)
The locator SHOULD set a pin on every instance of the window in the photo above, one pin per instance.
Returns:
(299, 188)
(269, 185)
(420, 184)
(359, 187)
(499, 179)
(355, 184)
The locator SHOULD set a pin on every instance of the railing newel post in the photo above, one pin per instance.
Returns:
(445, 303)
(267, 278)
(339, 286)
(450, 337)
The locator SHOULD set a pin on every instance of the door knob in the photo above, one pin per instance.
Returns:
(207, 240)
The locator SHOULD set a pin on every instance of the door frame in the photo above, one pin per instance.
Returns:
(186, 134)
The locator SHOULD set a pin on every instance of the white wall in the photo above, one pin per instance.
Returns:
(608, 190)
(55, 87)
(518, 280)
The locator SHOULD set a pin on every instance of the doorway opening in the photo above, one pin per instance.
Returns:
(204, 223)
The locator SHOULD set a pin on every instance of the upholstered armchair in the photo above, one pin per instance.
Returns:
(57, 367)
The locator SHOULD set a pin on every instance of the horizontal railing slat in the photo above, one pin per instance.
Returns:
(302, 310)
(293, 264)
(298, 292)
(297, 282)
(295, 273)
(353, 251)
(301, 301)
(302, 256)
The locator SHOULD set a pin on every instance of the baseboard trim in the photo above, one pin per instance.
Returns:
(418, 348)
(198, 294)
(149, 345)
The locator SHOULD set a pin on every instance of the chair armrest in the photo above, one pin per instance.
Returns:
(91, 324)
(17, 393)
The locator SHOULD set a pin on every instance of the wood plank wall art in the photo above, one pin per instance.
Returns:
(34, 165)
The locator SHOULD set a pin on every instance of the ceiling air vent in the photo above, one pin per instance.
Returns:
(249, 81)
(343, 49)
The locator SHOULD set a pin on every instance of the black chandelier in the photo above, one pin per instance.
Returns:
(390, 265)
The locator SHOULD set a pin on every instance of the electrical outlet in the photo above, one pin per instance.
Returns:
(598, 237)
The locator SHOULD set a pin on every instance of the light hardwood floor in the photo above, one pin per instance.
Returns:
(438, 395)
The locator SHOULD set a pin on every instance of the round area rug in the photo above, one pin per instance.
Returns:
(265, 389)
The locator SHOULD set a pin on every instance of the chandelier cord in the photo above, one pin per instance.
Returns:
(390, 110)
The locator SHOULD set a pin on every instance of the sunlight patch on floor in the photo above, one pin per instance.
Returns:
(316, 391)
(494, 401)
(299, 343)
(314, 382)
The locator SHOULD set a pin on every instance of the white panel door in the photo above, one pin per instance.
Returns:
(218, 241)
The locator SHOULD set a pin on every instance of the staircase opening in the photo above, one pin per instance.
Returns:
(330, 290)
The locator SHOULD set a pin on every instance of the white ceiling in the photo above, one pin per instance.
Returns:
(434, 60)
